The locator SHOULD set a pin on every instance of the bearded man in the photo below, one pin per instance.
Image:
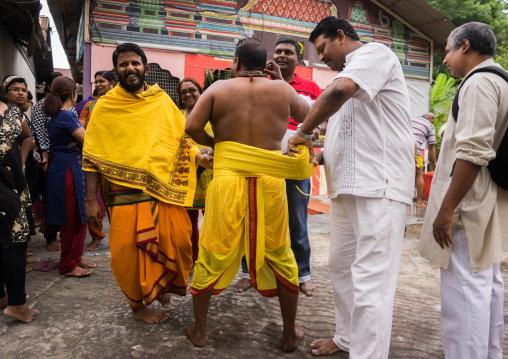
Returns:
(136, 140)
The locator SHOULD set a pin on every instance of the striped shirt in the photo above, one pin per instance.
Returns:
(423, 130)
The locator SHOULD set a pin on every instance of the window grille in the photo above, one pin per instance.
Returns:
(164, 79)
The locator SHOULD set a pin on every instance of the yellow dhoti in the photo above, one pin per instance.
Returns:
(246, 212)
(150, 249)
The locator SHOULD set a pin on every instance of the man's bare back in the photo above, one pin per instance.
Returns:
(254, 113)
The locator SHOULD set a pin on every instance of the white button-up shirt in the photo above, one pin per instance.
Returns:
(369, 146)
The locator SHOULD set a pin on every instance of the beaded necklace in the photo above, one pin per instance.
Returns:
(250, 74)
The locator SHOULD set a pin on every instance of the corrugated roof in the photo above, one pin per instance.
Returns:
(423, 17)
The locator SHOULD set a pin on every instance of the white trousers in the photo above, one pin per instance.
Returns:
(365, 249)
(472, 322)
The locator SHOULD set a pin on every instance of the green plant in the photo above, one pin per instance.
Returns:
(441, 98)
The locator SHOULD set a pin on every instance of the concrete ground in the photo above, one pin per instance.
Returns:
(89, 317)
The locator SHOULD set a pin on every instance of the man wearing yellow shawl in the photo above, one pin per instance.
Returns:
(136, 140)
(246, 204)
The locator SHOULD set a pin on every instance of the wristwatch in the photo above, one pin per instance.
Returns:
(302, 134)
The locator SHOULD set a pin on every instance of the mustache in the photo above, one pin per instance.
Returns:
(134, 72)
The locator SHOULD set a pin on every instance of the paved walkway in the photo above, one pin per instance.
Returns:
(89, 317)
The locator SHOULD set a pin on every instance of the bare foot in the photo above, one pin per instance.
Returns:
(149, 316)
(92, 246)
(78, 272)
(53, 246)
(84, 264)
(31, 249)
(28, 269)
(308, 288)
(165, 300)
(28, 254)
(30, 261)
(197, 338)
(242, 285)
(291, 341)
(324, 347)
(21, 312)
(3, 302)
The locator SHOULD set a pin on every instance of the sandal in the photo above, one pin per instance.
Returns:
(42, 263)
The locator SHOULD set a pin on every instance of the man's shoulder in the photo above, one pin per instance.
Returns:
(488, 78)
(372, 51)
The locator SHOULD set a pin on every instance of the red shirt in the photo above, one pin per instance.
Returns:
(308, 89)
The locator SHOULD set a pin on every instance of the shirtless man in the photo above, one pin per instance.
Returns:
(249, 116)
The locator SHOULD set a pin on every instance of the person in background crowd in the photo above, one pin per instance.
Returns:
(104, 81)
(465, 231)
(32, 171)
(40, 125)
(14, 199)
(423, 131)
(189, 91)
(66, 178)
(16, 93)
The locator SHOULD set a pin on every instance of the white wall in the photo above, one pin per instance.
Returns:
(419, 96)
(12, 62)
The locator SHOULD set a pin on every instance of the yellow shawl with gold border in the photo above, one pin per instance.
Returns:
(138, 141)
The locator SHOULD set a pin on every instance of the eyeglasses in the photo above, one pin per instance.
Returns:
(192, 91)
(16, 89)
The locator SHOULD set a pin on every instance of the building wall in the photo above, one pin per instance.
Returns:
(12, 62)
(194, 35)
(213, 27)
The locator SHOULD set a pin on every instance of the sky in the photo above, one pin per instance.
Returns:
(59, 56)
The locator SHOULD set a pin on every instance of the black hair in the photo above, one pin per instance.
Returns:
(252, 54)
(14, 80)
(108, 75)
(328, 28)
(52, 76)
(480, 36)
(29, 95)
(287, 40)
(128, 47)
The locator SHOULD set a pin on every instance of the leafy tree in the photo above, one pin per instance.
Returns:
(491, 12)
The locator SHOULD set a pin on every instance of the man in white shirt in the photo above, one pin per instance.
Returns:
(369, 164)
(465, 231)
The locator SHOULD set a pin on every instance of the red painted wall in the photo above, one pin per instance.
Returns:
(195, 66)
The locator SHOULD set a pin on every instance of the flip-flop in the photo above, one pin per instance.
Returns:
(54, 263)
(42, 263)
